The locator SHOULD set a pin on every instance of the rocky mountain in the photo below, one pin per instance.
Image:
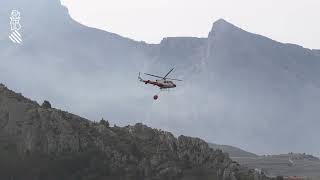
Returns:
(232, 151)
(40, 142)
(264, 92)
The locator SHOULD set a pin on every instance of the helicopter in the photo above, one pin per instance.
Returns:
(163, 83)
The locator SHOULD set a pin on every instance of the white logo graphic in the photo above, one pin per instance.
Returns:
(15, 25)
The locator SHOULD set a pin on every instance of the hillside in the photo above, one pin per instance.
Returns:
(40, 142)
(301, 165)
(232, 151)
(291, 164)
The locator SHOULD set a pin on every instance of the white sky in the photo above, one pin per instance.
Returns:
(289, 21)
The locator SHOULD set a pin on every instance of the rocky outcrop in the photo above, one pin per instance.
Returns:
(47, 138)
(46, 104)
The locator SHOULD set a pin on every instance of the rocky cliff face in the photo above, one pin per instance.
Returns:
(47, 143)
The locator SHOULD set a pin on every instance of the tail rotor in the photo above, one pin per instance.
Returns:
(139, 78)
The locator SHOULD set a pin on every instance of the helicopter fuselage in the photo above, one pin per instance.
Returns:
(162, 84)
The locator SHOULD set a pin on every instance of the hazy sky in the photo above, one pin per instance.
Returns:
(290, 21)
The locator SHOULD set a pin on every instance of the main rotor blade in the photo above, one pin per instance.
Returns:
(168, 73)
(153, 75)
(174, 79)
